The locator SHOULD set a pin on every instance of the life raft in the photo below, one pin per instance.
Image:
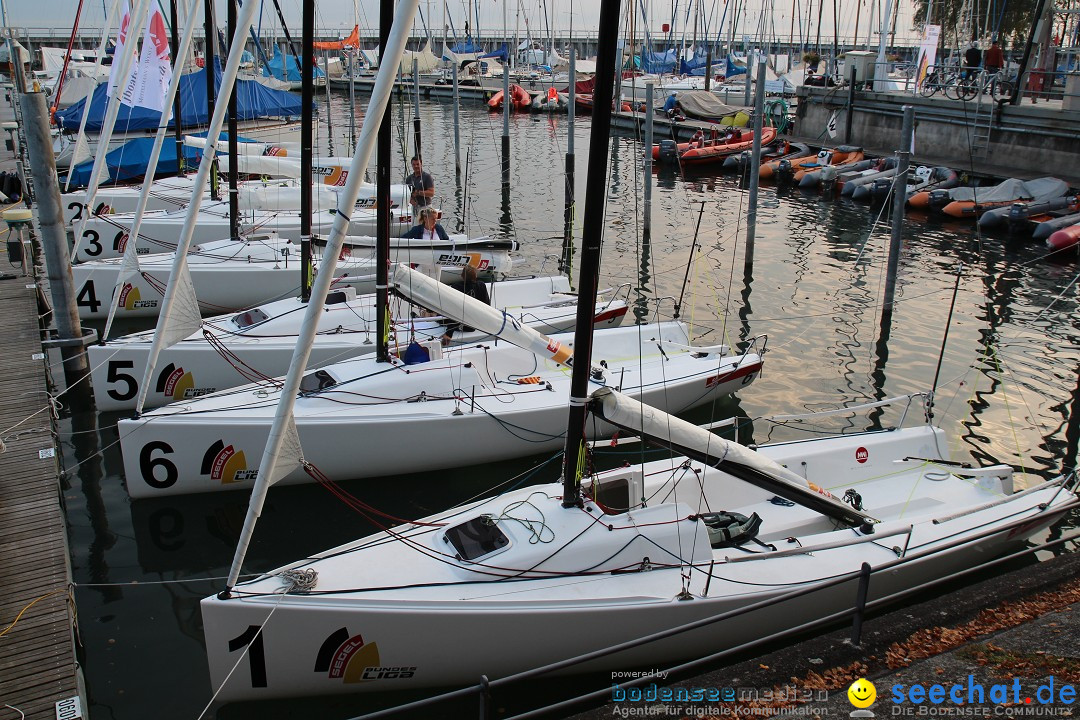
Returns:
(520, 99)
(1064, 238)
(715, 149)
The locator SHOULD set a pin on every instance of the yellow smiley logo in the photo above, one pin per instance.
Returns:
(862, 693)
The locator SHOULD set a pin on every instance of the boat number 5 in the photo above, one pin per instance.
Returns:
(256, 654)
(151, 467)
(116, 376)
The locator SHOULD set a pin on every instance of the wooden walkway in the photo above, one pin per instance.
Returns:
(37, 653)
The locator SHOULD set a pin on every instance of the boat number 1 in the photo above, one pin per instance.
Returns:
(252, 639)
(149, 465)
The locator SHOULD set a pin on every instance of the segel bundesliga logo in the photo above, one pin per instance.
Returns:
(351, 660)
(173, 382)
(130, 298)
(225, 464)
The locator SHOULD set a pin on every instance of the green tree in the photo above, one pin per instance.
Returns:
(953, 16)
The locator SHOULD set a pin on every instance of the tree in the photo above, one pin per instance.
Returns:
(958, 27)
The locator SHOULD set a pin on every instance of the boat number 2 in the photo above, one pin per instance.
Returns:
(152, 468)
(78, 208)
(252, 639)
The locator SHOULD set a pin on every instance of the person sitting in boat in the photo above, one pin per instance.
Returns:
(714, 135)
(698, 140)
(429, 228)
(422, 187)
(734, 135)
(474, 289)
(671, 106)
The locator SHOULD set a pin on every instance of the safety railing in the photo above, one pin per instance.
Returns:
(856, 613)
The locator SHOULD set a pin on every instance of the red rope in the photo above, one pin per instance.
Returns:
(67, 59)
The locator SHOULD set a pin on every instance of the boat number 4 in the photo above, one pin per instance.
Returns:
(157, 470)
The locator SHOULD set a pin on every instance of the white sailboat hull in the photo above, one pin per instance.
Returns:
(229, 275)
(386, 615)
(105, 236)
(346, 330)
(464, 409)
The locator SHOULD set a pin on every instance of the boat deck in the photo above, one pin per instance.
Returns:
(38, 668)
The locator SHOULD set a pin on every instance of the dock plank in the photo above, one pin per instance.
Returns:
(39, 666)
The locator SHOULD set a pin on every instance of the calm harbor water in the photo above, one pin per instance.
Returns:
(1008, 391)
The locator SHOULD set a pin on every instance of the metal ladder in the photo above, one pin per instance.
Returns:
(982, 125)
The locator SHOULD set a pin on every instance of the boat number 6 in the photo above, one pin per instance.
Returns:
(148, 465)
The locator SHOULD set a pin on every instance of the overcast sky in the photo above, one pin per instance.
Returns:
(580, 15)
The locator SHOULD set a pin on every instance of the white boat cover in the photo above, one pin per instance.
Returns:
(323, 197)
(425, 60)
(704, 103)
(1038, 190)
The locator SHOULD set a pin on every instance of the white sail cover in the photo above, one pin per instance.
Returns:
(323, 197)
(460, 307)
(425, 60)
(285, 149)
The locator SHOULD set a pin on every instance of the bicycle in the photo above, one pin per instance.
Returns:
(939, 77)
(997, 85)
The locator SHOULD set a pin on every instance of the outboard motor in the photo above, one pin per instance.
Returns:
(1018, 218)
(669, 151)
(939, 199)
(784, 172)
(879, 190)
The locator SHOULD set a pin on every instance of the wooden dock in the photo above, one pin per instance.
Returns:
(38, 668)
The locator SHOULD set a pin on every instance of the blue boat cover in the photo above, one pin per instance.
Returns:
(128, 162)
(653, 62)
(467, 47)
(502, 53)
(253, 100)
(733, 69)
(275, 67)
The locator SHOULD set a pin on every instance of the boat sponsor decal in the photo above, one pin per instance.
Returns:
(820, 490)
(861, 455)
(746, 372)
(331, 175)
(225, 464)
(131, 299)
(348, 658)
(451, 259)
(275, 151)
(174, 382)
(121, 242)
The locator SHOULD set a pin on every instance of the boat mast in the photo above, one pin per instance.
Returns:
(307, 149)
(210, 66)
(283, 427)
(171, 329)
(130, 264)
(592, 235)
(382, 204)
(234, 149)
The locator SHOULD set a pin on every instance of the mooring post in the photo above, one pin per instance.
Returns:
(35, 113)
(506, 128)
(416, 109)
(746, 85)
(899, 200)
(566, 262)
(755, 167)
(850, 106)
(457, 126)
(860, 604)
(646, 228)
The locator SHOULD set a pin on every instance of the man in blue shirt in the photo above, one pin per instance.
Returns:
(671, 105)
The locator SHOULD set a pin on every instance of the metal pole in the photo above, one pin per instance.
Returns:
(352, 102)
(416, 109)
(329, 113)
(457, 126)
(568, 212)
(506, 128)
(755, 165)
(746, 85)
(646, 232)
(708, 67)
(178, 129)
(618, 76)
(234, 149)
(209, 30)
(35, 127)
(307, 145)
(382, 204)
(899, 199)
(850, 106)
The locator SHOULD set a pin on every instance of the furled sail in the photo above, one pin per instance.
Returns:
(353, 41)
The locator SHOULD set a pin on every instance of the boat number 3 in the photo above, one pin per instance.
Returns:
(256, 654)
(126, 380)
(92, 237)
(153, 467)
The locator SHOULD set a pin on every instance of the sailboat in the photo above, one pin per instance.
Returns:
(608, 559)
(230, 350)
